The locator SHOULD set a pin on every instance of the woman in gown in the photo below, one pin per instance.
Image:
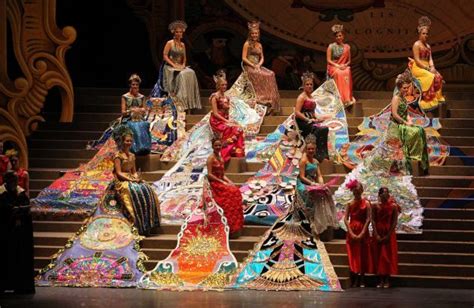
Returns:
(137, 197)
(384, 222)
(262, 79)
(318, 203)
(357, 219)
(225, 193)
(423, 69)
(338, 57)
(178, 79)
(21, 173)
(228, 131)
(412, 137)
(306, 119)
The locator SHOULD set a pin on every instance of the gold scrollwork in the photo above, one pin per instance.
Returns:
(39, 48)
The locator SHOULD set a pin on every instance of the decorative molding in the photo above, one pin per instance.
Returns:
(39, 48)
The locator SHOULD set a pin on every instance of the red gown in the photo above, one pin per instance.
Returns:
(228, 197)
(4, 161)
(386, 253)
(358, 252)
(22, 177)
(232, 137)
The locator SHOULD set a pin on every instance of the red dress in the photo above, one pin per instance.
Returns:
(4, 161)
(386, 253)
(228, 197)
(358, 252)
(232, 137)
(22, 177)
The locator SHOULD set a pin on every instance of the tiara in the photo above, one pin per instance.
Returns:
(253, 25)
(307, 75)
(220, 75)
(404, 77)
(177, 24)
(424, 22)
(337, 28)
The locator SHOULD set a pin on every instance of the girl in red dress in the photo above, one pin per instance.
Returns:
(4, 163)
(230, 133)
(357, 219)
(22, 174)
(384, 222)
(224, 192)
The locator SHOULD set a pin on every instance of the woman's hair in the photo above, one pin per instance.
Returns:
(134, 78)
(403, 78)
(177, 24)
(307, 76)
(253, 25)
(337, 28)
(219, 78)
(119, 134)
(214, 139)
(353, 184)
(423, 23)
(382, 189)
(310, 139)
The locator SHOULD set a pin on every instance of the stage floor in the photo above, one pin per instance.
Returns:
(118, 298)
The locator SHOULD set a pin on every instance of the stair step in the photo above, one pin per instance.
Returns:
(448, 224)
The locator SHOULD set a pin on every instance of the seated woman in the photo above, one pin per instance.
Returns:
(307, 120)
(412, 137)
(262, 79)
(133, 112)
(423, 69)
(319, 203)
(338, 57)
(179, 80)
(137, 197)
(21, 173)
(225, 193)
(229, 132)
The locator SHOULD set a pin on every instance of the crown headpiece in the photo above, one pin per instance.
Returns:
(423, 22)
(253, 25)
(307, 75)
(337, 28)
(177, 24)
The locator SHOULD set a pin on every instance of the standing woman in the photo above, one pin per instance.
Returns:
(137, 197)
(21, 173)
(228, 131)
(319, 204)
(133, 113)
(224, 192)
(178, 79)
(384, 222)
(338, 57)
(4, 163)
(262, 79)
(423, 69)
(357, 219)
(307, 120)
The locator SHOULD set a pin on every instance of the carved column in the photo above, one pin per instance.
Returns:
(39, 48)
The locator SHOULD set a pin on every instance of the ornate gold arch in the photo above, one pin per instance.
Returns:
(39, 48)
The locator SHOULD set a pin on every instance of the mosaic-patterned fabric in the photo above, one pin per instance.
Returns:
(372, 129)
(104, 253)
(288, 258)
(202, 259)
(79, 191)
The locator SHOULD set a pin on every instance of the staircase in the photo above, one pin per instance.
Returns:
(441, 257)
